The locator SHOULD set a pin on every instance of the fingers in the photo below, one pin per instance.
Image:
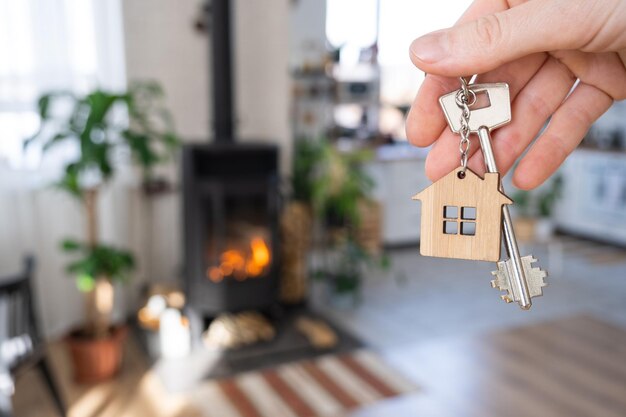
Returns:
(445, 154)
(541, 97)
(566, 129)
(606, 71)
(425, 121)
(486, 43)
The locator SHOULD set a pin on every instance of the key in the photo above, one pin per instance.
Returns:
(516, 275)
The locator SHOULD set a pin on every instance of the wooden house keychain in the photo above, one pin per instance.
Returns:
(464, 215)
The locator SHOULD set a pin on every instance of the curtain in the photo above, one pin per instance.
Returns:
(52, 45)
(55, 45)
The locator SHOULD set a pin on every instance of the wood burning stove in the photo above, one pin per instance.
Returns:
(230, 198)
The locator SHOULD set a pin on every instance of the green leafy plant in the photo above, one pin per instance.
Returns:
(103, 125)
(307, 156)
(522, 202)
(339, 182)
(330, 181)
(539, 202)
(334, 183)
(549, 197)
(94, 261)
(148, 131)
(344, 271)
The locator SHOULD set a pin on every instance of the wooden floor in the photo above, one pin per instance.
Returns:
(569, 367)
(136, 392)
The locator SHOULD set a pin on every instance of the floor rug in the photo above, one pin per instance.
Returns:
(289, 346)
(326, 386)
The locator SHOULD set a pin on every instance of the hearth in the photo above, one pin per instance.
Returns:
(231, 206)
(231, 203)
(230, 199)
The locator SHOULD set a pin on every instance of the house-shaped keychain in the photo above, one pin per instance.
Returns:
(462, 216)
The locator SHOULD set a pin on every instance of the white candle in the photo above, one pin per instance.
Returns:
(174, 336)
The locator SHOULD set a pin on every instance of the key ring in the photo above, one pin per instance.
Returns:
(465, 95)
(464, 87)
(464, 99)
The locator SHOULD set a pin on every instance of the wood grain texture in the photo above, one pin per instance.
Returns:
(567, 367)
(471, 191)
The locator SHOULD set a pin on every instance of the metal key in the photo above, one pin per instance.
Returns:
(515, 275)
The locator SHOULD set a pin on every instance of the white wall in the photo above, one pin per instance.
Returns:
(162, 44)
(261, 59)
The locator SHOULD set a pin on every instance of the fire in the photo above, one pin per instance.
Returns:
(242, 265)
(260, 252)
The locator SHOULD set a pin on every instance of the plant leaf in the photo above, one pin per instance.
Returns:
(85, 283)
(70, 245)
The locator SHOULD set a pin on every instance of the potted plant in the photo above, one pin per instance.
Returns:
(91, 125)
(343, 268)
(340, 185)
(297, 223)
(342, 202)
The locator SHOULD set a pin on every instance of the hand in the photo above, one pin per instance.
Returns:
(540, 48)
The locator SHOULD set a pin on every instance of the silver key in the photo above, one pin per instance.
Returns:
(515, 275)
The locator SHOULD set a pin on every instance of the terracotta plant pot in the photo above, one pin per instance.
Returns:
(96, 360)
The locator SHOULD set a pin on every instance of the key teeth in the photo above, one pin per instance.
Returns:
(500, 282)
(541, 274)
(536, 281)
(494, 282)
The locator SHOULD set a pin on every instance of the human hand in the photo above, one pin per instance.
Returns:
(540, 48)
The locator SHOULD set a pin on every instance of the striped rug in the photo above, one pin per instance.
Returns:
(326, 386)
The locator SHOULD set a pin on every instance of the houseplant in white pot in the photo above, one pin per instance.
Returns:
(99, 136)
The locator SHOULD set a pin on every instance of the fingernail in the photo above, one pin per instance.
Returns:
(431, 48)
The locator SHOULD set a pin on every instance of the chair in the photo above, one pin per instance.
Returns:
(21, 345)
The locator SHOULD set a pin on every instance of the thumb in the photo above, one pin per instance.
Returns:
(486, 43)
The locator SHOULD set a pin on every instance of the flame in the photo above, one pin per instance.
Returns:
(260, 252)
(241, 265)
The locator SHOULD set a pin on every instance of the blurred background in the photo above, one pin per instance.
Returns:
(205, 210)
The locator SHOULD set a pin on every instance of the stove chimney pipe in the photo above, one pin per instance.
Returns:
(219, 16)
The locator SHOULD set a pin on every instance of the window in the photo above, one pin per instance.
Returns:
(392, 25)
(400, 22)
(465, 225)
(50, 45)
